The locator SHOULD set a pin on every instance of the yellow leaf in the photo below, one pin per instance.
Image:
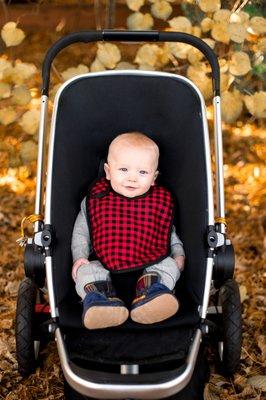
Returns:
(21, 95)
(179, 50)
(240, 17)
(29, 151)
(161, 9)
(181, 24)
(146, 67)
(30, 121)
(74, 71)
(262, 45)
(22, 71)
(147, 55)
(237, 32)
(258, 25)
(7, 115)
(256, 104)
(220, 33)
(209, 5)
(135, 5)
(139, 21)
(125, 65)
(239, 64)
(108, 54)
(97, 66)
(222, 15)
(258, 381)
(11, 35)
(206, 24)
(198, 75)
(243, 293)
(5, 90)
(232, 106)
(196, 31)
(5, 66)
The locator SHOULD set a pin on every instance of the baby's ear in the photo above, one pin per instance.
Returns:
(107, 171)
(155, 177)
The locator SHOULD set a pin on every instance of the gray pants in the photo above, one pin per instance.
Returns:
(167, 270)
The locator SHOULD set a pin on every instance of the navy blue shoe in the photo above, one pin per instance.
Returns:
(154, 302)
(101, 309)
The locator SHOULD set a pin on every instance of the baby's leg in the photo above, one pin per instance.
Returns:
(93, 271)
(154, 300)
(167, 270)
(101, 307)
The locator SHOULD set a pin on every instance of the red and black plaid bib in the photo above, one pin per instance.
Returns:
(129, 233)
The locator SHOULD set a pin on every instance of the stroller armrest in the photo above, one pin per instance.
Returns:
(115, 386)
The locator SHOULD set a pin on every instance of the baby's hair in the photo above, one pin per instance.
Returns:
(137, 139)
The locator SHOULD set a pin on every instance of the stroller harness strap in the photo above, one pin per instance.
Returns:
(129, 233)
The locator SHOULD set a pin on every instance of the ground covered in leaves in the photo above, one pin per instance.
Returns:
(245, 196)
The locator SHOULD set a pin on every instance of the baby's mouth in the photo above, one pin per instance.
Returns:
(130, 187)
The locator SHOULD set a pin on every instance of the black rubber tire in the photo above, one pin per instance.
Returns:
(24, 327)
(229, 300)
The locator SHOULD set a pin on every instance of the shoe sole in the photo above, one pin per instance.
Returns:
(98, 317)
(156, 310)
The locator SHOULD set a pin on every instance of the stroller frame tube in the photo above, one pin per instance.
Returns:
(136, 391)
(41, 160)
(219, 160)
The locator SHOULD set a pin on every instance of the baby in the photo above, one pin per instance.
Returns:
(126, 223)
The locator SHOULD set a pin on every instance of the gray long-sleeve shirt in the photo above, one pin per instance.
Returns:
(81, 244)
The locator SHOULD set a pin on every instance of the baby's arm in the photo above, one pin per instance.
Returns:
(177, 250)
(80, 245)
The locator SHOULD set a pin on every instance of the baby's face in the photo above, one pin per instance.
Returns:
(131, 170)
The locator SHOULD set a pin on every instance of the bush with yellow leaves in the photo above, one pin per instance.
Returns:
(236, 34)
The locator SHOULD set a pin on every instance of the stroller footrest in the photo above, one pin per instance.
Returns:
(128, 386)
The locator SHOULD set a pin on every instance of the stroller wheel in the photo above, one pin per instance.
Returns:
(229, 346)
(27, 343)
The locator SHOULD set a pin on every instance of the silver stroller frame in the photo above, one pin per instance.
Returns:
(216, 236)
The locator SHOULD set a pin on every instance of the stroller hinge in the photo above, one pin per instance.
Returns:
(215, 239)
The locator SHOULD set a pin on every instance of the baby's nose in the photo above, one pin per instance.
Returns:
(132, 178)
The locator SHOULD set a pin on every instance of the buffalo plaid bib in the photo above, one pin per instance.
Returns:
(129, 233)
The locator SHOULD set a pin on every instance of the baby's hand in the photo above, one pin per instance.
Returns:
(76, 266)
(180, 262)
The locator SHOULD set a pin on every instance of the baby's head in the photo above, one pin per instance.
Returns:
(132, 164)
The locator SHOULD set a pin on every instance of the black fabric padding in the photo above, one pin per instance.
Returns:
(91, 112)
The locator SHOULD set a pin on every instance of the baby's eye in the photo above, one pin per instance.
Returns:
(142, 172)
(123, 169)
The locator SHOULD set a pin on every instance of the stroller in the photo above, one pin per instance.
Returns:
(130, 361)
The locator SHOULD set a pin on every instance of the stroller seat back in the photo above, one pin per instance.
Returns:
(89, 112)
